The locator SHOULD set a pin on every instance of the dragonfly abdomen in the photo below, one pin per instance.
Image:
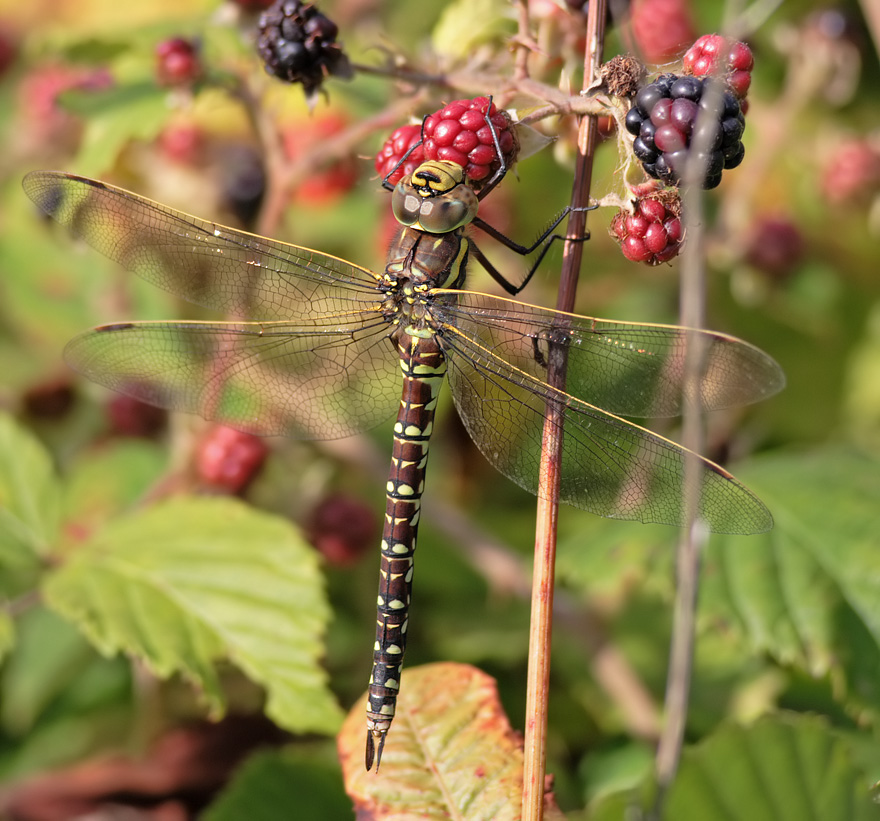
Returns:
(424, 368)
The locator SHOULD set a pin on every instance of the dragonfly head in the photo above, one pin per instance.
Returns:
(435, 198)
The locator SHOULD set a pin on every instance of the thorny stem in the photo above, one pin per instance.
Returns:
(535, 751)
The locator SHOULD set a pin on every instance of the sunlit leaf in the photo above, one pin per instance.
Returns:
(808, 592)
(467, 24)
(451, 752)
(193, 582)
(779, 769)
(29, 497)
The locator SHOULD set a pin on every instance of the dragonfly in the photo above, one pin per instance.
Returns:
(316, 347)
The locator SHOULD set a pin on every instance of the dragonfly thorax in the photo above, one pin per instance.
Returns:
(434, 198)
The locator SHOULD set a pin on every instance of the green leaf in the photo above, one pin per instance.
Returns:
(278, 785)
(104, 481)
(192, 582)
(137, 110)
(7, 634)
(467, 24)
(451, 752)
(782, 768)
(808, 592)
(29, 498)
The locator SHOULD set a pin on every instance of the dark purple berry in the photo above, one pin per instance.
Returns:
(647, 131)
(688, 88)
(634, 121)
(683, 114)
(735, 157)
(660, 111)
(643, 151)
(668, 138)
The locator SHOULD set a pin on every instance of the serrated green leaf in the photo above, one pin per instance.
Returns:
(29, 498)
(782, 768)
(808, 592)
(195, 581)
(468, 24)
(281, 784)
(451, 752)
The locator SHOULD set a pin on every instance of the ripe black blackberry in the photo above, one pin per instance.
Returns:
(663, 120)
(298, 44)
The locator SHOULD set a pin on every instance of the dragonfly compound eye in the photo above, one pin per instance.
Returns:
(438, 214)
(441, 215)
(405, 203)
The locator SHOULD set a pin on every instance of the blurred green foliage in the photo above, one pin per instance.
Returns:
(788, 620)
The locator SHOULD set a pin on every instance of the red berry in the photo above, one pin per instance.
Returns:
(229, 459)
(131, 417)
(775, 246)
(342, 529)
(459, 133)
(661, 28)
(714, 54)
(182, 143)
(177, 62)
(651, 232)
(852, 173)
(393, 151)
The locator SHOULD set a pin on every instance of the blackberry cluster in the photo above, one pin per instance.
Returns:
(663, 120)
(298, 44)
(651, 232)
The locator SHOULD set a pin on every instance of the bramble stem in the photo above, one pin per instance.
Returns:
(535, 762)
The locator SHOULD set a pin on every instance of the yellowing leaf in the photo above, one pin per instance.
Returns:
(451, 752)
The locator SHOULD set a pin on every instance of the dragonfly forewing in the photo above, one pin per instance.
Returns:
(240, 274)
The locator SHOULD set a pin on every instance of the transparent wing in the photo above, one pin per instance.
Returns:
(627, 368)
(610, 466)
(334, 377)
(240, 274)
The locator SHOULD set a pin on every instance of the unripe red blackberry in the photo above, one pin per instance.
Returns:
(663, 121)
(131, 417)
(661, 28)
(652, 231)
(730, 60)
(229, 459)
(459, 133)
(177, 62)
(393, 151)
(775, 246)
(342, 529)
(298, 44)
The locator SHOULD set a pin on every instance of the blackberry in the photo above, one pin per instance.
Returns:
(652, 231)
(177, 62)
(229, 459)
(663, 118)
(459, 133)
(298, 44)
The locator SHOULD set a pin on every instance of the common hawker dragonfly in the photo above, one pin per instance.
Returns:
(318, 347)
